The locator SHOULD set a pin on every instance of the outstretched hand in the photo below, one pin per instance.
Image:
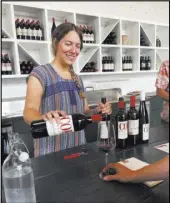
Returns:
(123, 174)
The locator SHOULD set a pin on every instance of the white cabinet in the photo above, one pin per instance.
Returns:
(40, 52)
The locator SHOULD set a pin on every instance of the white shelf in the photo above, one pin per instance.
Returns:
(14, 76)
(40, 51)
(7, 40)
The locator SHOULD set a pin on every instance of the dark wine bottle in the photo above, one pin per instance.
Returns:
(3, 65)
(143, 120)
(8, 65)
(70, 123)
(121, 126)
(34, 31)
(27, 26)
(53, 26)
(23, 29)
(18, 28)
(148, 64)
(133, 123)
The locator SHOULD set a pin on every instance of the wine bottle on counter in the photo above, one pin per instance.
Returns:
(133, 123)
(7, 63)
(121, 126)
(143, 120)
(70, 123)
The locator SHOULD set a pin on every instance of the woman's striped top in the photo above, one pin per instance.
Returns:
(58, 94)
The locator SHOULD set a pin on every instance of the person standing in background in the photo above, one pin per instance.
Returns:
(162, 85)
(55, 90)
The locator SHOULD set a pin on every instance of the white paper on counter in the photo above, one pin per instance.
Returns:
(163, 147)
(135, 164)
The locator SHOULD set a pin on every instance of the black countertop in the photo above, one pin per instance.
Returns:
(76, 180)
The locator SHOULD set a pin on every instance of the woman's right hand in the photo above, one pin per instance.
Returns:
(54, 114)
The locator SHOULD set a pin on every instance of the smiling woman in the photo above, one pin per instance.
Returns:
(55, 90)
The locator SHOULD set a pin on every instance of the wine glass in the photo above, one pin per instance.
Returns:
(106, 139)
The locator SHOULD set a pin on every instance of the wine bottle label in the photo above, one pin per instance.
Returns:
(3, 67)
(145, 132)
(113, 66)
(149, 65)
(143, 65)
(103, 130)
(29, 32)
(123, 66)
(39, 33)
(122, 130)
(24, 32)
(34, 32)
(133, 127)
(84, 37)
(92, 38)
(89, 37)
(8, 67)
(65, 125)
(19, 32)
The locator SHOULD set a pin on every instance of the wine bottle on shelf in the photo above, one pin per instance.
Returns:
(27, 27)
(143, 120)
(89, 34)
(83, 33)
(8, 65)
(158, 42)
(148, 64)
(39, 31)
(23, 67)
(103, 64)
(92, 35)
(53, 26)
(23, 29)
(18, 28)
(70, 123)
(86, 34)
(142, 63)
(34, 31)
(3, 67)
(121, 126)
(112, 64)
(123, 63)
(133, 123)
(130, 63)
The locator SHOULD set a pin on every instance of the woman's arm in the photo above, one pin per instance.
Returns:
(162, 93)
(33, 100)
(156, 171)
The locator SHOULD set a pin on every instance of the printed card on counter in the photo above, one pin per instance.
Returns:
(163, 147)
(135, 164)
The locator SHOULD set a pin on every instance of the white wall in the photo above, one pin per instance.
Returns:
(155, 12)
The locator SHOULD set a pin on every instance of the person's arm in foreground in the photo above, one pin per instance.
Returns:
(156, 171)
(162, 93)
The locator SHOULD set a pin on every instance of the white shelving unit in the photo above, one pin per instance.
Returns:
(40, 51)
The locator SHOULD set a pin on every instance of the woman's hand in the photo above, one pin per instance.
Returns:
(54, 114)
(123, 174)
(104, 108)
